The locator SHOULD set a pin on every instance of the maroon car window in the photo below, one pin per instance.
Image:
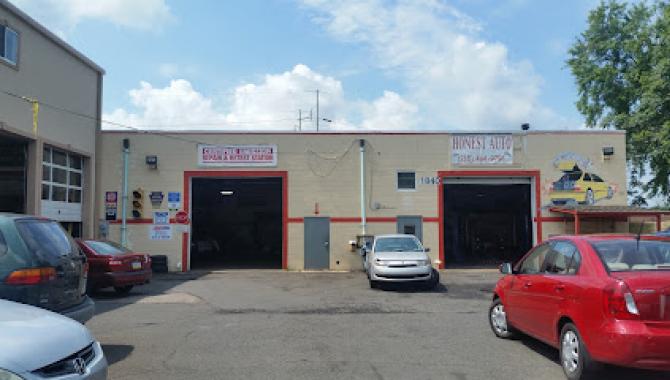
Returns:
(106, 248)
(624, 255)
(533, 264)
(46, 238)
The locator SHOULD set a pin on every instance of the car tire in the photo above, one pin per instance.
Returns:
(498, 320)
(123, 290)
(374, 284)
(575, 359)
(434, 280)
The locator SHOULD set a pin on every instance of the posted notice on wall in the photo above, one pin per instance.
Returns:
(174, 200)
(160, 232)
(161, 217)
(482, 149)
(237, 155)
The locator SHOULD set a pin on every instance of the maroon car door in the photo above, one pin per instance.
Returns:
(520, 303)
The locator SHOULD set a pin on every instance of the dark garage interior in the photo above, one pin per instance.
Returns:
(13, 155)
(486, 224)
(237, 223)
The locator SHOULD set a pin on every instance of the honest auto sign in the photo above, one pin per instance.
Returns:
(482, 149)
(237, 155)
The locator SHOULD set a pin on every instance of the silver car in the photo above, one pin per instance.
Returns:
(39, 344)
(399, 258)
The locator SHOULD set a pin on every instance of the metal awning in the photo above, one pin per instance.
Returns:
(581, 212)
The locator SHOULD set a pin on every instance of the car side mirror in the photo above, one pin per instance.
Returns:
(506, 268)
(426, 249)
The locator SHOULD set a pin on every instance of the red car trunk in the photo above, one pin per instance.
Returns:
(651, 291)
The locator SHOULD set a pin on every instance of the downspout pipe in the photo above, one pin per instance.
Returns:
(124, 194)
(362, 160)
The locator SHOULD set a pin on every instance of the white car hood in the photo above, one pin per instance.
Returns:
(32, 338)
(401, 256)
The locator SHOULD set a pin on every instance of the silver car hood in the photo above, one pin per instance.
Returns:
(401, 256)
(32, 338)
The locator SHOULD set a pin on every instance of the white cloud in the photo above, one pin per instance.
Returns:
(458, 79)
(176, 106)
(271, 104)
(62, 15)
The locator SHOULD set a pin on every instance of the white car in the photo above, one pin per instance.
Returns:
(39, 344)
(399, 258)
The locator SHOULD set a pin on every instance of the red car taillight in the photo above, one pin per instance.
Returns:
(619, 303)
(31, 276)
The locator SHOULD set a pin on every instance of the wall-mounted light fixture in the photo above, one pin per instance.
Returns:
(608, 152)
(226, 193)
(152, 162)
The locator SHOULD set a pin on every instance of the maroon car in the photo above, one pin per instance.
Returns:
(111, 265)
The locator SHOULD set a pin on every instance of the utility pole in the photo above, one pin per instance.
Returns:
(317, 109)
(300, 118)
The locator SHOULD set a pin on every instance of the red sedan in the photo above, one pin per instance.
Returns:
(111, 265)
(598, 299)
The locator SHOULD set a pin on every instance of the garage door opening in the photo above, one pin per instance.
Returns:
(236, 223)
(13, 157)
(486, 224)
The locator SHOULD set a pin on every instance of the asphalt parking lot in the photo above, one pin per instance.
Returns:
(284, 325)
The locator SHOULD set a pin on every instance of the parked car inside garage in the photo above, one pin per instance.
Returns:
(112, 265)
(601, 298)
(41, 265)
(399, 258)
(39, 344)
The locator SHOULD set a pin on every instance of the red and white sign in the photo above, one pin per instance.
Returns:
(237, 155)
(181, 217)
(482, 149)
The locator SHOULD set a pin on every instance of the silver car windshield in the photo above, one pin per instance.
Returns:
(398, 244)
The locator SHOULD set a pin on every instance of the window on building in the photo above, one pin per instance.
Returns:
(9, 44)
(406, 181)
(62, 176)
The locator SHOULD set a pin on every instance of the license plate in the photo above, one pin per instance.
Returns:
(136, 265)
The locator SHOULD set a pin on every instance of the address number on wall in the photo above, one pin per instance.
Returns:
(429, 180)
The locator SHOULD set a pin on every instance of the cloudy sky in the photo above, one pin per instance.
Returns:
(378, 65)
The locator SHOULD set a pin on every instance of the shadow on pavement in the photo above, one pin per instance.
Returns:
(107, 299)
(605, 372)
(116, 352)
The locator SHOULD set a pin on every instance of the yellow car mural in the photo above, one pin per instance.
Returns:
(578, 186)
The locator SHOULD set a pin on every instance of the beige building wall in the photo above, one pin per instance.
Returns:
(323, 169)
(53, 73)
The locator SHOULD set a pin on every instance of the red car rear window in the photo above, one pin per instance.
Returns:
(624, 255)
(107, 248)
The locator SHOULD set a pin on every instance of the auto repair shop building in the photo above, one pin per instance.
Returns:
(293, 200)
(50, 109)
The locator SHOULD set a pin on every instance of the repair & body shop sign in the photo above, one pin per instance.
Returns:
(237, 155)
(482, 149)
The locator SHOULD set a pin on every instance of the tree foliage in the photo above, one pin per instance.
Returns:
(621, 65)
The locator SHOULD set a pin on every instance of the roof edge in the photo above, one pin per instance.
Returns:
(358, 132)
(50, 35)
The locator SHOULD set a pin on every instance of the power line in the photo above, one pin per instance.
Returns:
(163, 133)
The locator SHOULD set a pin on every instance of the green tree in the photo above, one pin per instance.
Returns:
(621, 65)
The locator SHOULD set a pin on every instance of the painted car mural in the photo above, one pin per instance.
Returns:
(578, 184)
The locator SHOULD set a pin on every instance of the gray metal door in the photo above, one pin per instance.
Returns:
(411, 225)
(317, 243)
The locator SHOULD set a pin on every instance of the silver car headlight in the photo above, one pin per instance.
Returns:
(423, 263)
(382, 263)
(6, 375)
